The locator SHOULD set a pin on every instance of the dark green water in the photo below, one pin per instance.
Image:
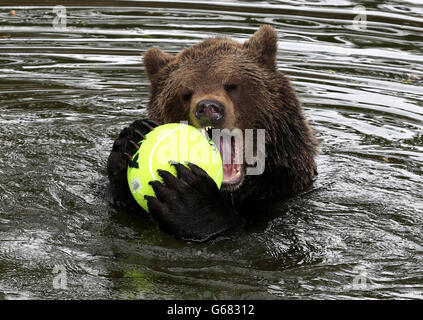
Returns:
(65, 95)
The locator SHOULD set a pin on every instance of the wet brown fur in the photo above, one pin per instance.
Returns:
(263, 99)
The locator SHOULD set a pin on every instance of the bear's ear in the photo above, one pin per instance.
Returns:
(154, 60)
(263, 44)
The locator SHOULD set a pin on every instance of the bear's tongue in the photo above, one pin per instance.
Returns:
(231, 169)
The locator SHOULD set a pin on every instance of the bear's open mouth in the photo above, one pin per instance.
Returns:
(231, 152)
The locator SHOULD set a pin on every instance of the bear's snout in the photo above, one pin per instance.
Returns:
(209, 112)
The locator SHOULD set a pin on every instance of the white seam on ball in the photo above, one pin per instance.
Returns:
(155, 146)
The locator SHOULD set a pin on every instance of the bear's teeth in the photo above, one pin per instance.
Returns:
(205, 130)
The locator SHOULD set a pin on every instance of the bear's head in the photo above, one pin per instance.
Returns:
(220, 83)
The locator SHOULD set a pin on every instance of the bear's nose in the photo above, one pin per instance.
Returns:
(209, 111)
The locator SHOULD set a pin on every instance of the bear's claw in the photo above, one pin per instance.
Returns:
(123, 149)
(189, 205)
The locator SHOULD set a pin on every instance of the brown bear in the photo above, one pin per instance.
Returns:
(219, 83)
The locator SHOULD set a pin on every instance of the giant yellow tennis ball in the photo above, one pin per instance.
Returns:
(171, 142)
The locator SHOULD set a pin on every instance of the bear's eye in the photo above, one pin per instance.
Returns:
(230, 87)
(186, 96)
